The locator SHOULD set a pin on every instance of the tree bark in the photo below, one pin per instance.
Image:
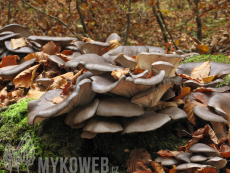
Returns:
(128, 22)
(8, 19)
(81, 17)
(198, 21)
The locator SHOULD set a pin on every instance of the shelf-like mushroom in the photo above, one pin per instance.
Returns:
(205, 149)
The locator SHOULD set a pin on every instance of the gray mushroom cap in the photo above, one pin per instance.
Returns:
(24, 49)
(99, 124)
(166, 161)
(155, 49)
(82, 94)
(219, 69)
(198, 158)
(85, 75)
(126, 61)
(144, 74)
(45, 81)
(145, 60)
(9, 36)
(93, 63)
(149, 121)
(5, 33)
(168, 95)
(188, 166)
(88, 135)
(166, 66)
(193, 84)
(2, 49)
(205, 149)
(71, 47)
(118, 106)
(16, 28)
(64, 41)
(113, 36)
(80, 45)
(185, 156)
(10, 72)
(174, 112)
(220, 89)
(95, 47)
(217, 162)
(57, 60)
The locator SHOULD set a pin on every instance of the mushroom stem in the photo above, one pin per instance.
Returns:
(219, 129)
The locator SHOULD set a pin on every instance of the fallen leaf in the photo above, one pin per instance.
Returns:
(189, 111)
(9, 60)
(173, 170)
(209, 78)
(16, 94)
(38, 55)
(17, 43)
(86, 39)
(225, 150)
(227, 170)
(67, 52)
(35, 94)
(202, 49)
(64, 57)
(118, 73)
(200, 98)
(3, 94)
(137, 155)
(202, 89)
(51, 48)
(201, 71)
(137, 70)
(184, 76)
(68, 88)
(25, 78)
(190, 143)
(57, 100)
(150, 75)
(205, 170)
(157, 167)
(113, 45)
(79, 73)
(184, 91)
(167, 153)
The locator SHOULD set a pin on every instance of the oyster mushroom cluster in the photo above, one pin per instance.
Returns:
(199, 156)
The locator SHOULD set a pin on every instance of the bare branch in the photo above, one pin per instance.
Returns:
(81, 17)
(8, 19)
(128, 22)
(67, 26)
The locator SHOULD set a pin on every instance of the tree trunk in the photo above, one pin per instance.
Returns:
(198, 21)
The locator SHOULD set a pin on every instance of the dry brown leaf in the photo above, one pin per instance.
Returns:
(16, 95)
(202, 49)
(113, 45)
(189, 111)
(184, 91)
(68, 88)
(64, 57)
(225, 150)
(3, 94)
(167, 153)
(35, 94)
(59, 82)
(205, 170)
(137, 155)
(184, 76)
(201, 71)
(118, 73)
(189, 144)
(209, 79)
(17, 43)
(173, 170)
(79, 73)
(9, 60)
(150, 75)
(200, 98)
(86, 39)
(57, 100)
(227, 170)
(202, 89)
(67, 52)
(137, 70)
(157, 167)
(51, 48)
(38, 55)
(25, 78)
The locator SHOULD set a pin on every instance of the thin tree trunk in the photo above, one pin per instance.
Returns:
(81, 17)
(160, 24)
(8, 19)
(198, 21)
(128, 22)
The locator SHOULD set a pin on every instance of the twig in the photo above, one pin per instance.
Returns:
(225, 49)
(8, 19)
(67, 26)
(81, 17)
(162, 17)
(182, 24)
(128, 22)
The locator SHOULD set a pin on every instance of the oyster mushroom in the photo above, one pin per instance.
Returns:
(198, 158)
(188, 167)
(185, 157)
(205, 149)
(217, 121)
(167, 161)
(24, 49)
(45, 82)
(16, 28)
(88, 135)
(217, 162)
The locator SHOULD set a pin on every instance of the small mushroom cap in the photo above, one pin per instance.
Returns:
(85, 75)
(25, 49)
(71, 47)
(118, 106)
(45, 81)
(57, 60)
(144, 74)
(99, 124)
(155, 49)
(9, 36)
(80, 45)
(185, 156)
(145, 60)
(88, 135)
(95, 47)
(5, 33)
(193, 84)
(93, 63)
(12, 71)
(174, 112)
(177, 80)
(220, 89)
(217, 162)
(83, 113)
(205, 114)
(187, 166)
(74, 55)
(166, 66)
(168, 95)
(203, 148)
(165, 161)
(64, 41)
(147, 122)
(198, 158)
(16, 28)
(113, 36)
(219, 69)
(126, 61)
(220, 103)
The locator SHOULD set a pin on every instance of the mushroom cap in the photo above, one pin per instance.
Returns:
(57, 60)
(219, 69)
(168, 95)
(93, 63)
(106, 83)
(144, 74)
(99, 124)
(155, 49)
(126, 61)
(80, 45)
(88, 135)
(149, 121)
(95, 47)
(71, 47)
(166, 161)
(193, 84)
(198, 158)
(203, 148)
(82, 94)
(185, 156)
(45, 81)
(220, 103)
(205, 114)
(85, 75)
(74, 55)
(118, 106)
(217, 162)
(145, 60)
(24, 49)
(113, 36)
(10, 72)
(174, 113)
(177, 80)
(220, 89)
(9, 36)
(64, 41)
(166, 66)
(2, 49)
(17, 29)
(84, 112)
(130, 51)
(5, 33)
(5, 53)
(187, 166)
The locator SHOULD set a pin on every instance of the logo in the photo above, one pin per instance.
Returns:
(23, 153)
